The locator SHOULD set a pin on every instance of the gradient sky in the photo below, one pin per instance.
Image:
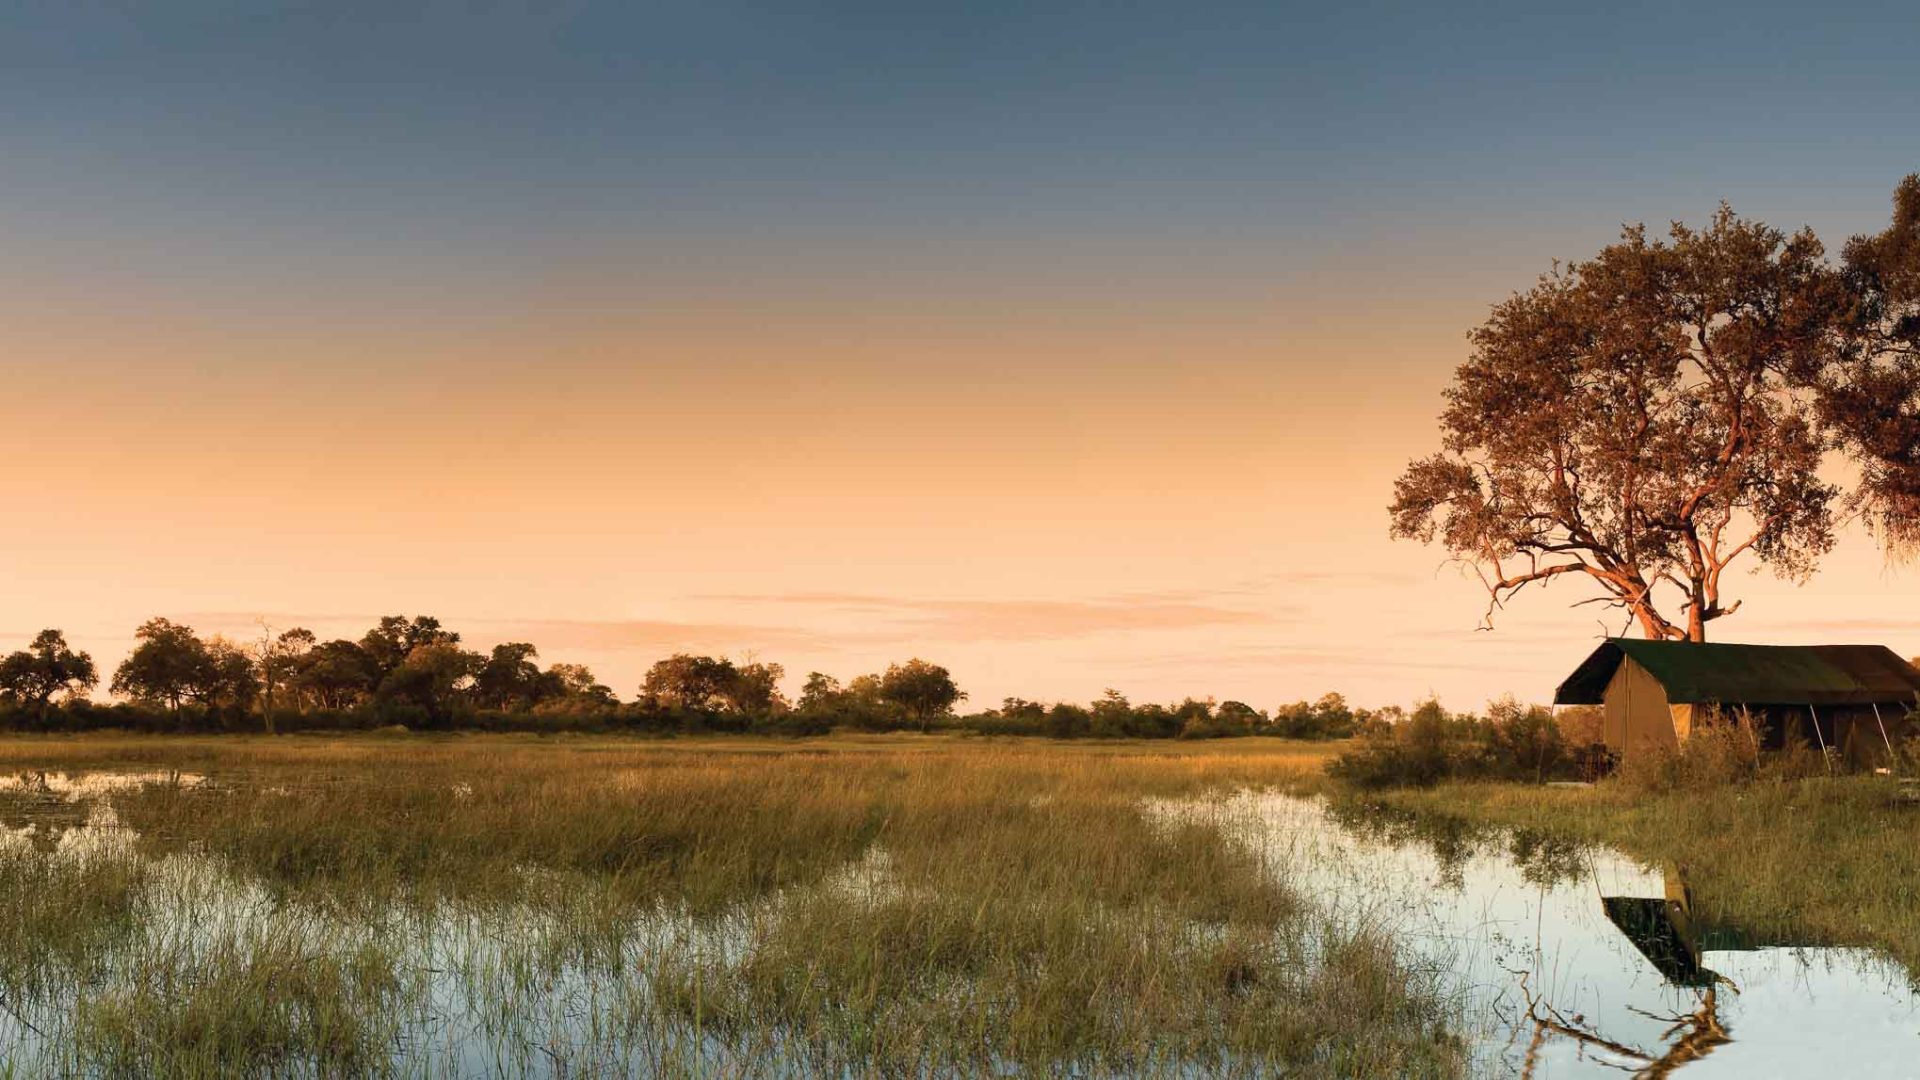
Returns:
(1072, 346)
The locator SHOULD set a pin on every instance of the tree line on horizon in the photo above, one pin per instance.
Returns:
(416, 673)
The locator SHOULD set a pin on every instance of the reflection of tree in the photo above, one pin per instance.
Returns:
(1453, 840)
(1545, 859)
(1690, 1036)
(1542, 857)
(33, 810)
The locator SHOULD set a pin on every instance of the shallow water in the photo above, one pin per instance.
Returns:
(1550, 984)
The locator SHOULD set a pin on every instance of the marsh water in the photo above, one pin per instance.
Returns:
(1558, 960)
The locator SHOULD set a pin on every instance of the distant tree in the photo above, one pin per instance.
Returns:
(1336, 717)
(1239, 718)
(1328, 718)
(821, 693)
(45, 668)
(226, 678)
(1068, 721)
(1643, 419)
(1111, 717)
(865, 691)
(335, 674)
(572, 686)
(435, 677)
(924, 691)
(754, 689)
(685, 681)
(167, 665)
(1154, 721)
(509, 679)
(396, 637)
(1192, 709)
(1023, 716)
(278, 658)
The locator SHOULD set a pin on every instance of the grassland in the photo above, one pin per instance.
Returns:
(865, 906)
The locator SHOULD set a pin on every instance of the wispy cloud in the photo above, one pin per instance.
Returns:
(1282, 657)
(1826, 626)
(589, 635)
(818, 622)
(657, 635)
(962, 620)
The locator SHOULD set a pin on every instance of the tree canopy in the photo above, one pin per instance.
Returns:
(1646, 418)
(925, 691)
(45, 668)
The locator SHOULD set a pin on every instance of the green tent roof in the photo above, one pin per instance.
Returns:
(1712, 672)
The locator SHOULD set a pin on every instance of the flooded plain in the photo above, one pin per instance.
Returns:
(1551, 959)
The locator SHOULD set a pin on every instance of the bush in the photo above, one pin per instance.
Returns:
(1524, 742)
(1414, 753)
(1513, 741)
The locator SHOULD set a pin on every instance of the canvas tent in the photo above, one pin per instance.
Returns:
(1850, 698)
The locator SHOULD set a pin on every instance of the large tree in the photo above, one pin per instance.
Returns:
(388, 645)
(509, 679)
(168, 664)
(1871, 397)
(226, 678)
(1649, 417)
(436, 677)
(335, 674)
(925, 691)
(686, 681)
(35, 674)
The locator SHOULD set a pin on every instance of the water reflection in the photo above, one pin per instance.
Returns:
(70, 813)
(1570, 961)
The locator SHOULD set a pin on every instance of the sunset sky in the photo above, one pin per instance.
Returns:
(1070, 348)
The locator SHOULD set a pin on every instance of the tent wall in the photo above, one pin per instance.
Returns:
(1637, 715)
(1682, 721)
